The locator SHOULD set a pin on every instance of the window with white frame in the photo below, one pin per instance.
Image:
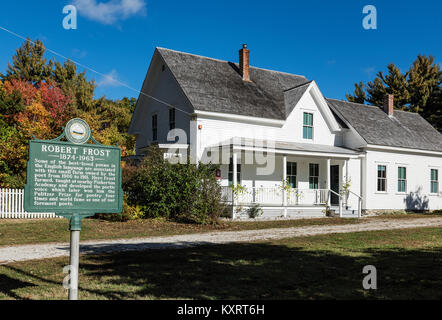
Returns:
(402, 179)
(434, 182)
(291, 174)
(307, 129)
(314, 176)
(382, 178)
(154, 127)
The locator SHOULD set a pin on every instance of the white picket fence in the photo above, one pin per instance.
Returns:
(12, 206)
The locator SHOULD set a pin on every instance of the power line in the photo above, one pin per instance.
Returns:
(94, 71)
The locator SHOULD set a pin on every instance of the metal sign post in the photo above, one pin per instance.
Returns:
(75, 179)
(74, 262)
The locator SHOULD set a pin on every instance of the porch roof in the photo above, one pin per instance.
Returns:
(283, 147)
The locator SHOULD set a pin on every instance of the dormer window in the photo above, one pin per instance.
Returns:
(307, 129)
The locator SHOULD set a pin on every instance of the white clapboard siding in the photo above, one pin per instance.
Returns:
(12, 206)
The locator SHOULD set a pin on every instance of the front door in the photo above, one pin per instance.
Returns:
(334, 184)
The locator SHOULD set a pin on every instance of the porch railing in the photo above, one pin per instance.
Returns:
(275, 196)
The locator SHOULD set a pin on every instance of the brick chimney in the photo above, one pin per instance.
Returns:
(389, 104)
(244, 63)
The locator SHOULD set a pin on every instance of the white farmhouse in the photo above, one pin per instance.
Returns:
(293, 151)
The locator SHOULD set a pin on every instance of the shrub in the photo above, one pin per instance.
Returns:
(255, 211)
(180, 192)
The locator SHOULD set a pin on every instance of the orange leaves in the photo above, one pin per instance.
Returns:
(26, 89)
(35, 121)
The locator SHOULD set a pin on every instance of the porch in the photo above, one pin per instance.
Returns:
(278, 202)
(301, 182)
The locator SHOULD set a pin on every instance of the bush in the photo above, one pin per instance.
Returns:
(255, 211)
(179, 192)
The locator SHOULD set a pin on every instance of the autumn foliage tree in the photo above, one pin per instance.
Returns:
(38, 97)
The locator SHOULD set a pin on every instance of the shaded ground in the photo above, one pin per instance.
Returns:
(409, 264)
(11, 254)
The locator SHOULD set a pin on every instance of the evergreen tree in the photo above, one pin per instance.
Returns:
(28, 63)
(359, 94)
(376, 92)
(424, 79)
(74, 84)
(397, 85)
(417, 90)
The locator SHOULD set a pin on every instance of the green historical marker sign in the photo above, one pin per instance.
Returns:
(73, 178)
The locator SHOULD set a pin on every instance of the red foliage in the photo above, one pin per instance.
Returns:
(26, 89)
(55, 101)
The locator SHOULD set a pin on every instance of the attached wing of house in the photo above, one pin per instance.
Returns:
(265, 127)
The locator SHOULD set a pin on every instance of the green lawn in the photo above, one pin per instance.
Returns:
(14, 232)
(409, 264)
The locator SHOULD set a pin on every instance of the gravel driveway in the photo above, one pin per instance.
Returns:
(43, 251)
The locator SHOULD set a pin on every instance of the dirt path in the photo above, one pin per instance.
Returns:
(44, 251)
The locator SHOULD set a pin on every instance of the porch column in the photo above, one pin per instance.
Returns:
(328, 187)
(344, 180)
(284, 177)
(345, 169)
(235, 181)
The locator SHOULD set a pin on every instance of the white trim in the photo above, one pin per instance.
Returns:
(373, 146)
(241, 118)
(319, 98)
(173, 145)
(300, 153)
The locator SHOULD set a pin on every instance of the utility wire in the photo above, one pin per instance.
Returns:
(94, 71)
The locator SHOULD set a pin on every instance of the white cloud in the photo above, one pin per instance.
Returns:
(110, 12)
(369, 71)
(109, 80)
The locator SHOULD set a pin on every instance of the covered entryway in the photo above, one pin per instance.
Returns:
(334, 184)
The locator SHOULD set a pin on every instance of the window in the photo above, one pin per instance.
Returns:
(382, 178)
(402, 179)
(434, 183)
(171, 118)
(291, 174)
(314, 176)
(238, 173)
(154, 127)
(307, 130)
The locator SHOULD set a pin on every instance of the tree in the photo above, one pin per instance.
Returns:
(28, 63)
(424, 81)
(10, 104)
(74, 84)
(359, 94)
(396, 84)
(417, 90)
(55, 102)
(37, 98)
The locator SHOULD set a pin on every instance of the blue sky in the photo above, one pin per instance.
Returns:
(323, 40)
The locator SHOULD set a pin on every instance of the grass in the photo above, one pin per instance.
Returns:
(409, 265)
(15, 232)
(19, 231)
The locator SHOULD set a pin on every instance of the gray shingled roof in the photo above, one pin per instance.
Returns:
(215, 85)
(283, 145)
(403, 129)
(293, 95)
